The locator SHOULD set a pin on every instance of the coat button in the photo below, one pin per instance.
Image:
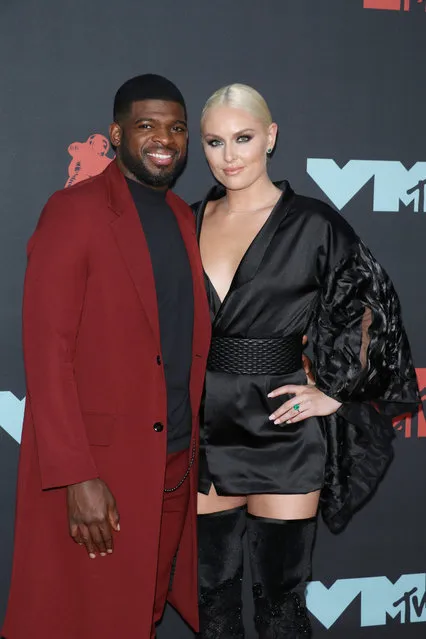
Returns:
(158, 427)
(158, 360)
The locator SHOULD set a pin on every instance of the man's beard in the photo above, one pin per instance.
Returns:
(136, 165)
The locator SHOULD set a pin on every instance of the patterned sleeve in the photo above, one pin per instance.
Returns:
(362, 358)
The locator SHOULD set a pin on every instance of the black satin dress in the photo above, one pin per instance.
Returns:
(306, 271)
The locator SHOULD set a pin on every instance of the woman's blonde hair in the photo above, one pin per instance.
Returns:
(240, 96)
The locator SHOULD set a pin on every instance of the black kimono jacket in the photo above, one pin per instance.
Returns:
(306, 271)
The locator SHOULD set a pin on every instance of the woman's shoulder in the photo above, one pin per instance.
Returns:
(323, 230)
(205, 208)
(322, 217)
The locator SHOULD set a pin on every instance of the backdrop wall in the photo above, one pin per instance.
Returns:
(344, 81)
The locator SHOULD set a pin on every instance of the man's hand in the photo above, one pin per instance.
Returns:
(92, 515)
(307, 364)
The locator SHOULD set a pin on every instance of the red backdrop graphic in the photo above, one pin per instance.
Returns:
(415, 425)
(88, 158)
(390, 5)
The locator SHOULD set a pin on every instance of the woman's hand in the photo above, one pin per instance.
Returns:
(308, 401)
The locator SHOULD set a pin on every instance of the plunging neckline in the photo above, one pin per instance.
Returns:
(260, 239)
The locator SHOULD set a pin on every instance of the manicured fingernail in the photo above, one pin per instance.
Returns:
(92, 556)
(118, 527)
(109, 552)
(270, 394)
(103, 554)
(271, 417)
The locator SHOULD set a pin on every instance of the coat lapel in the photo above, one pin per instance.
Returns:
(202, 324)
(132, 245)
(253, 257)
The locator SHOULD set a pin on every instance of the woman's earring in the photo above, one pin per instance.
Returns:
(268, 152)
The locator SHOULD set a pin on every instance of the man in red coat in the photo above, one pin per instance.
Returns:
(116, 337)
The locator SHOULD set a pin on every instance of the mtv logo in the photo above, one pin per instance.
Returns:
(379, 600)
(393, 183)
(390, 5)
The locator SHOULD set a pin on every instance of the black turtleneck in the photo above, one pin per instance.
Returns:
(173, 283)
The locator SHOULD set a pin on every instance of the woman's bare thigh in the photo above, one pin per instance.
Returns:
(284, 506)
(213, 503)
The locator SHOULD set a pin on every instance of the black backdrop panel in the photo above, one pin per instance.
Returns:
(344, 81)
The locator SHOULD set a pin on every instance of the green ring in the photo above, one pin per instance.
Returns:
(296, 407)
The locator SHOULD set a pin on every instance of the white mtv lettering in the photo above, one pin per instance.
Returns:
(11, 414)
(393, 183)
(379, 597)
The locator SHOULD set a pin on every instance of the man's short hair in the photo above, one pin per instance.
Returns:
(145, 87)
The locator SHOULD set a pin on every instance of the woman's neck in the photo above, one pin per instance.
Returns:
(258, 195)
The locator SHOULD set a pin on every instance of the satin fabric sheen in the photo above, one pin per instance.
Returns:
(306, 271)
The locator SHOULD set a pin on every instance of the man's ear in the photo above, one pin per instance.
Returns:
(115, 134)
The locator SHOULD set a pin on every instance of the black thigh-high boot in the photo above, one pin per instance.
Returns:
(221, 573)
(280, 558)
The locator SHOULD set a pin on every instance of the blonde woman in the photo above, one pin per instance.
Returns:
(274, 448)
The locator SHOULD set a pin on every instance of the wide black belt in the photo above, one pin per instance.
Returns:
(252, 356)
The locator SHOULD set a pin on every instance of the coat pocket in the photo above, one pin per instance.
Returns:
(99, 428)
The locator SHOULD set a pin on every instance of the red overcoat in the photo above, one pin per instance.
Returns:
(95, 388)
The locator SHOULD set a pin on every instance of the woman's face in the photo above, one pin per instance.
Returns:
(235, 144)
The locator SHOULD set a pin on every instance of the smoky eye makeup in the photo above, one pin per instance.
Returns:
(213, 142)
(241, 137)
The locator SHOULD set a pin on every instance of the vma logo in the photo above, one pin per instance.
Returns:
(378, 598)
(391, 5)
(393, 183)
